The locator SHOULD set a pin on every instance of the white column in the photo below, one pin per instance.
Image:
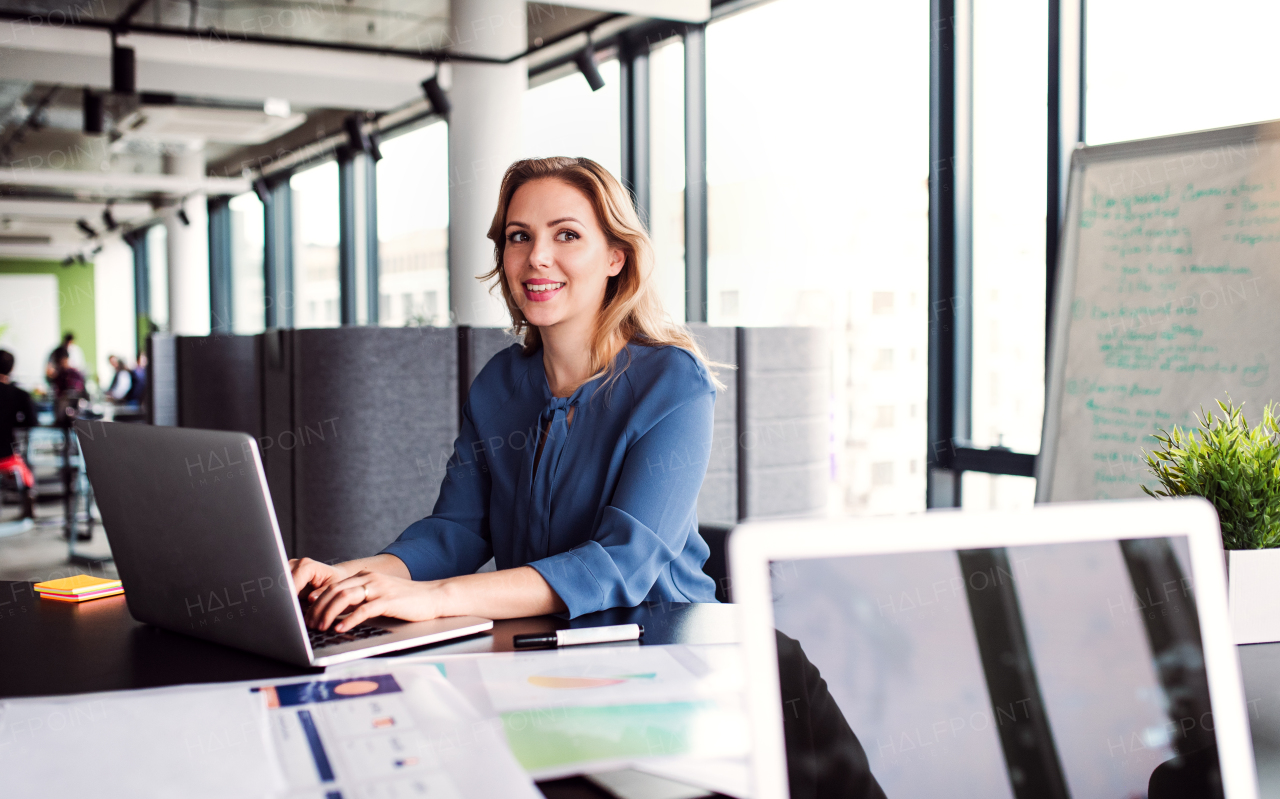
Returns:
(188, 249)
(485, 131)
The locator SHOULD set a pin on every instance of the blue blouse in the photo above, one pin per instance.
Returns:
(610, 517)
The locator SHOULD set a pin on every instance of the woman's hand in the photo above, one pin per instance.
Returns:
(367, 594)
(307, 572)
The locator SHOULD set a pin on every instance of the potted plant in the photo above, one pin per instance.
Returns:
(1237, 468)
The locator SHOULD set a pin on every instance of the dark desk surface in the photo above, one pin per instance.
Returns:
(64, 648)
(51, 647)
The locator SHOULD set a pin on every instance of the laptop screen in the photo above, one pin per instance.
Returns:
(1071, 669)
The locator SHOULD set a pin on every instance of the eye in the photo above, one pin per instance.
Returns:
(517, 237)
(567, 235)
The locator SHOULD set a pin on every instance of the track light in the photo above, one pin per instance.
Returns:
(359, 140)
(436, 95)
(80, 259)
(124, 70)
(94, 116)
(262, 189)
(183, 218)
(86, 228)
(68, 261)
(108, 219)
(586, 61)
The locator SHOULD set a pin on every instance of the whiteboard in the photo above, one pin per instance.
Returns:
(29, 324)
(1166, 301)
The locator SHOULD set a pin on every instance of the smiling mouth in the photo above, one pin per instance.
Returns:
(540, 287)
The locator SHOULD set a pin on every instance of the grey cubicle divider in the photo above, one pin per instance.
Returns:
(782, 433)
(355, 424)
(375, 417)
(162, 380)
(718, 500)
(277, 418)
(220, 382)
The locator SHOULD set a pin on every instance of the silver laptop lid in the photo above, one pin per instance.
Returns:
(1065, 651)
(194, 534)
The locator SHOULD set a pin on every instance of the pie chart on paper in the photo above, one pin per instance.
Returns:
(566, 682)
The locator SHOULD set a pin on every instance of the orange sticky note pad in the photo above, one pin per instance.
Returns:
(76, 585)
(83, 597)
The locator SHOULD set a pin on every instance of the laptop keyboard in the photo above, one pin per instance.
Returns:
(360, 632)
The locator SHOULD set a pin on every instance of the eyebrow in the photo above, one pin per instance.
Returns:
(552, 223)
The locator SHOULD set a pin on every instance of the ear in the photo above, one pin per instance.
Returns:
(617, 259)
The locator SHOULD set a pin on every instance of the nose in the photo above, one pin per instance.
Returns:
(540, 256)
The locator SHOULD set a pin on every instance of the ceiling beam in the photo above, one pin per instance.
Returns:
(114, 184)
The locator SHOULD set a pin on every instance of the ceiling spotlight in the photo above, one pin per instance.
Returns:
(86, 228)
(94, 117)
(436, 96)
(108, 219)
(262, 189)
(183, 218)
(80, 259)
(124, 70)
(68, 261)
(586, 61)
(359, 140)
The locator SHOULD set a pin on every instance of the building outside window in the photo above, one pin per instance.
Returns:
(413, 227)
(564, 117)
(1010, 126)
(247, 248)
(158, 275)
(666, 173)
(315, 242)
(817, 168)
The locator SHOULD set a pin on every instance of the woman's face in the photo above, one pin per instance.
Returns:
(557, 259)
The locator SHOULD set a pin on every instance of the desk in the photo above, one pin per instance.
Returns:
(63, 648)
(60, 648)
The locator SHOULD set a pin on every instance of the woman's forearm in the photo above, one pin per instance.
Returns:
(506, 594)
(382, 564)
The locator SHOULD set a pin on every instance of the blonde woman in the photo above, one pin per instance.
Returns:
(582, 450)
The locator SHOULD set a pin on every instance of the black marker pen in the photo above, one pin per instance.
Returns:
(578, 636)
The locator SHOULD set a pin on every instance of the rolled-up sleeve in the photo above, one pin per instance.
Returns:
(646, 523)
(455, 538)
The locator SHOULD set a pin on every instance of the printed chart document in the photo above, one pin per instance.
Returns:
(393, 734)
(190, 742)
(676, 711)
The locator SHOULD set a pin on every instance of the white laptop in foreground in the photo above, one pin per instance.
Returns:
(1078, 650)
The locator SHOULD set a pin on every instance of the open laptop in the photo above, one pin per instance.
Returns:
(1070, 650)
(199, 549)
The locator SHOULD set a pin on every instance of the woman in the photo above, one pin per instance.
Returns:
(582, 450)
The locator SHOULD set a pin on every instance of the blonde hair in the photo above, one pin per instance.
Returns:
(632, 312)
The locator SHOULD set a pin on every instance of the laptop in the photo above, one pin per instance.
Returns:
(199, 549)
(1069, 650)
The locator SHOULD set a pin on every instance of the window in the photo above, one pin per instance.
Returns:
(247, 247)
(564, 117)
(413, 225)
(817, 208)
(666, 175)
(158, 275)
(1010, 91)
(315, 237)
(884, 416)
(1123, 102)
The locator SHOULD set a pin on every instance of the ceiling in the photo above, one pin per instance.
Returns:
(357, 56)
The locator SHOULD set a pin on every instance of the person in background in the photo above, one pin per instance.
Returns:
(75, 356)
(138, 385)
(68, 388)
(122, 382)
(16, 412)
